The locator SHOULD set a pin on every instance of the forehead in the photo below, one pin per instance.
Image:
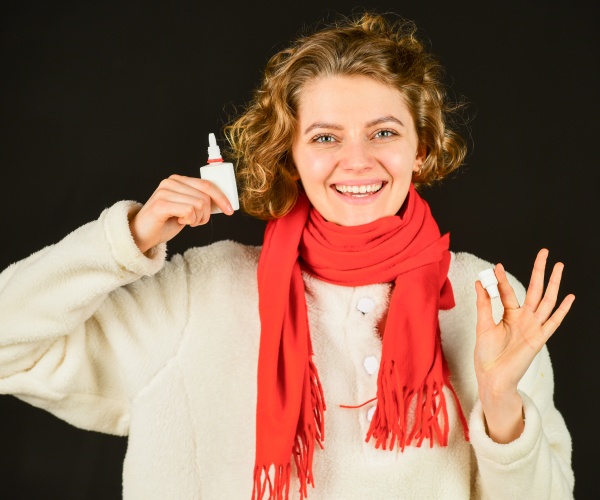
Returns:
(346, 96)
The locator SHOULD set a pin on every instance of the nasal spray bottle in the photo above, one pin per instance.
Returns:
(221, 174)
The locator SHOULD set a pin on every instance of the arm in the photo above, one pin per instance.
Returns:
(538, 463)
(82, 330)
(522, 445)
(76, 322)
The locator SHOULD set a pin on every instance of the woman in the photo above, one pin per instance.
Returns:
(346, 307)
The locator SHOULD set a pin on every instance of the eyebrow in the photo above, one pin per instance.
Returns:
(372, 123)
(322, 125)
(385, 119)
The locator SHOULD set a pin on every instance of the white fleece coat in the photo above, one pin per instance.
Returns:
(165, 352)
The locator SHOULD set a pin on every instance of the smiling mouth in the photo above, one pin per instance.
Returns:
(359, 191)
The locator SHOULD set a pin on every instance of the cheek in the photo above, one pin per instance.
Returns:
(401, 163)
(313, 169)
(312, 181)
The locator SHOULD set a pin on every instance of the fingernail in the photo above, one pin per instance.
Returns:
(229, 209)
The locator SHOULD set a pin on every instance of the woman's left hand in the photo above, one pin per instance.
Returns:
(504, 351)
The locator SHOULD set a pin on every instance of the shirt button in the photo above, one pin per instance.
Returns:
(365, 305)
(371, 364)
(370, 413)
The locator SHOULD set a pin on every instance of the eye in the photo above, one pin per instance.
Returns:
(384, 134)
(323, 139)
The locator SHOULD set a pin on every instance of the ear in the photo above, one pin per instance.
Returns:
(420, 158)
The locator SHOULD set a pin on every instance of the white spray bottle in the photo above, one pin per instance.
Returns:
(221, 174)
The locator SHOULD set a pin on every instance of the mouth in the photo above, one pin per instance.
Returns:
(359, 191)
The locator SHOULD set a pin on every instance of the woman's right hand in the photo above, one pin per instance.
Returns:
(178, 201)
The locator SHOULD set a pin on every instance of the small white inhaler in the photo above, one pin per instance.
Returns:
(221, 174)
(490, 282)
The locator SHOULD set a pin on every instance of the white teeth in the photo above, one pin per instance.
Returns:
(365, 188)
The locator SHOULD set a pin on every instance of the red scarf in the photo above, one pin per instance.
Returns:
(406, 250)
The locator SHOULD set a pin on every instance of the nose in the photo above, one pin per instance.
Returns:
(355, 156)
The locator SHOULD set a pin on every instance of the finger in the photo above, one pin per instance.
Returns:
(184, 185)
(191, 217)
(185, 211)
(188, 209)
(199, 209)
(536, 283)
(208, 187)
(507, 294)
(550, 326)
(187, 190)
(203, 215)
(485, 321)
(550, 297)
(217, 196)
(159, 221)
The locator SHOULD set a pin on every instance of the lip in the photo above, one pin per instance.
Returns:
(359, 182)
(359, 200)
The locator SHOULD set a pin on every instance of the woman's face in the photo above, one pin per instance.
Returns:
(355, 149)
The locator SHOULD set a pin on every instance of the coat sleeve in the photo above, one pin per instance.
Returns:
(86, 323)
(538, 463)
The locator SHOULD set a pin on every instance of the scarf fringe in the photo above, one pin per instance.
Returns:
(276, 485)
(389, 426)
(317, 402)
(304, 443)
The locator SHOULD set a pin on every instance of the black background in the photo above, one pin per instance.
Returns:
(99, 101)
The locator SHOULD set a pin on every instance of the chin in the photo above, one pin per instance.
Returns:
(358, 220)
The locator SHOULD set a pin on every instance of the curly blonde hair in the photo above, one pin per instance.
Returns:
(370, 45)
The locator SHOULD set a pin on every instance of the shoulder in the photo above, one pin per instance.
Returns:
(221, 267)
(464, 268)
(222, 261)
(226, 253)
